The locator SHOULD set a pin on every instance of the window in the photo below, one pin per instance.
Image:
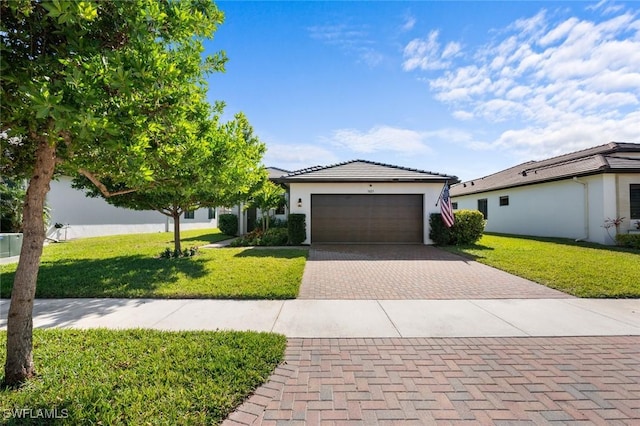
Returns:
(454, 205)
(212, 213)
(483, 207)
(504, 200)
(191, 214)
(280, 209)
(634, 200)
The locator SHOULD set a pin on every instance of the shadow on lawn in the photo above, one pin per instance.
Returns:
(277, 252)
(206, 239)
(458, 250)
(122, 276)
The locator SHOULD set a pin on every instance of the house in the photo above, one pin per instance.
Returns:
(365, 202)
(81, 216)
(569, 196)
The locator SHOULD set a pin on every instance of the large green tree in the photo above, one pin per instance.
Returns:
(90, 88)
(208, 164)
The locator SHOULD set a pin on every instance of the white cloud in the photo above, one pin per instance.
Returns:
(426, 53)
(354, 40)
(451, 50)
(606, 6)
(409, 23)
(404, 142)
(559, 83)
(298, 156)
(463, 115)
(381, 138)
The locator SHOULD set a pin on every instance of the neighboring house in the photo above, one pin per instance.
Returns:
(365, 202)
(82, 216)
(569, 196)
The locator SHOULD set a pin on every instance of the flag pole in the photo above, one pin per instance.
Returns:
(441, 191)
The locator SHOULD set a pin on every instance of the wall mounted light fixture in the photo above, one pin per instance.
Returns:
(299, 202)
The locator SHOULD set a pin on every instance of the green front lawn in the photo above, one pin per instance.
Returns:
(140, 376)
(580, 269)
(128, 266)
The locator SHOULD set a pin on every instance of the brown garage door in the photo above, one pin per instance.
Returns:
(366, 218)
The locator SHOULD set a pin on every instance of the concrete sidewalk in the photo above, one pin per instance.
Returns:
(350, 318)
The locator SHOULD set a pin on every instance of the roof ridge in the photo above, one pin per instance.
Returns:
(517, 166)
(606, 148)
(376, 163)
(567, 161)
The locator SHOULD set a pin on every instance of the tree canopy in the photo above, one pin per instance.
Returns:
(91, 88)
(206, 164)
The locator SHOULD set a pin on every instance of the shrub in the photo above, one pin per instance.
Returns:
(228, 224)
(278, 223)
(275, 237)
(175, 254)
(253, 238)
(438, 232)
(467, 228)
(628, 240)
(258, 237)
(297, 228)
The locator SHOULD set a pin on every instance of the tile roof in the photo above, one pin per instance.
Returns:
(364, 171)
(612, 157)
(275, 172)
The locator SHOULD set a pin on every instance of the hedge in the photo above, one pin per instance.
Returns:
(467, 228)
(628, 240)
(297, 229)
(228, 224)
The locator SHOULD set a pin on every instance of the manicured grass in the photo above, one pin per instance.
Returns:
(580, 269)
(128, 266)
(141, 376)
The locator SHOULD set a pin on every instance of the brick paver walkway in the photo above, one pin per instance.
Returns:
(568, 380)
(408, 272)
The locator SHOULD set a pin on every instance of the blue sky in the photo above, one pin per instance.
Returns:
(463, 88)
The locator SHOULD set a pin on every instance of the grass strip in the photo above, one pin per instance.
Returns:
(140, 376)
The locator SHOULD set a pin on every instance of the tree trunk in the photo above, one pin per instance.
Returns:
(176, 232)
(19, 363)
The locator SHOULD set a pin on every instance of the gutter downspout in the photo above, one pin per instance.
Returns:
(585, 185)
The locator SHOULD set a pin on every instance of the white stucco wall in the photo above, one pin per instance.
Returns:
(552, 209)
(92, 217)
(303, 191)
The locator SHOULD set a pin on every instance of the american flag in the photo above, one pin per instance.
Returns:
(446, 210)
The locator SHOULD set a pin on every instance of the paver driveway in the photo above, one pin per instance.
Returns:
(423, 381)
(509, 381)
(380, 272)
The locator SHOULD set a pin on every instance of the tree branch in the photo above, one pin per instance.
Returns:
(103, 189)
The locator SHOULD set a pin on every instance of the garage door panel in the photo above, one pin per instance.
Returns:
(367, 218)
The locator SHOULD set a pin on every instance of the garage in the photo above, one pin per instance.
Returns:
(367, 218)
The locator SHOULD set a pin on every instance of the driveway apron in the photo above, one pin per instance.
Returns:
(422, 381)
(409, 272)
